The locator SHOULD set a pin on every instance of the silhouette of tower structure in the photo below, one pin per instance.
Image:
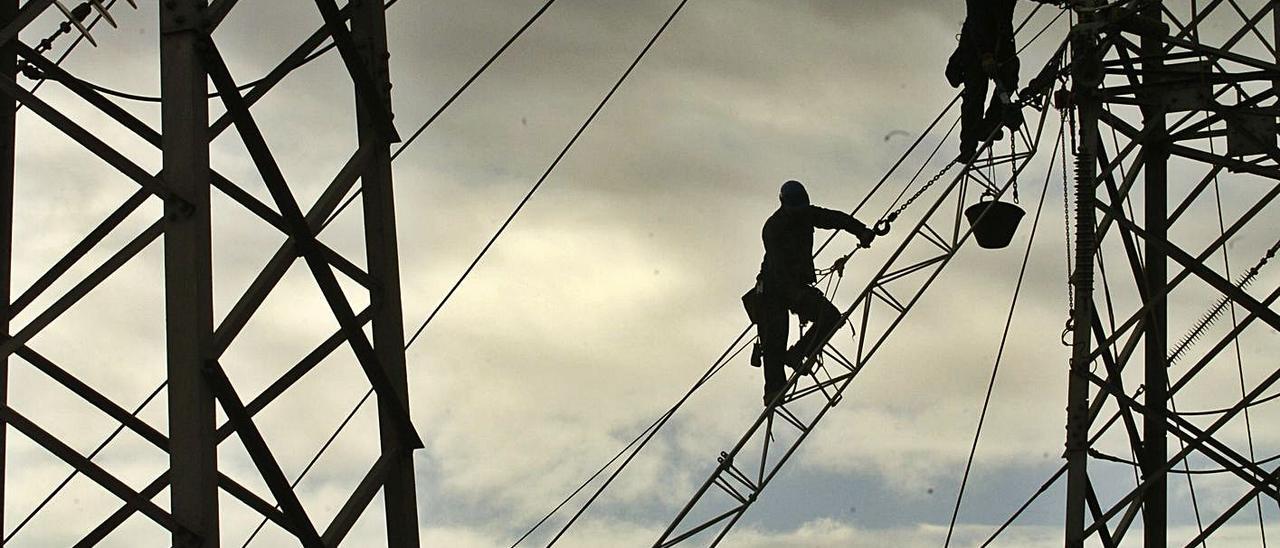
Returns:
(1177, 105)
(206, 406)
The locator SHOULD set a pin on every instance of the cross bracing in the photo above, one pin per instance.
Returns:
(360, 293)
(1207, 82)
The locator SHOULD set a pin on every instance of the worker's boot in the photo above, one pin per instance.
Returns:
(968, 152)
(774, 395)
(795, 359)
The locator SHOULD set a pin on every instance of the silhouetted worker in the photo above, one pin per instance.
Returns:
(786, 279)
(986, 52)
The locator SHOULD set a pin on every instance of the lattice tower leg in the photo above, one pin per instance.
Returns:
(1086, 76)
(188, 273)
(369, 31)
(8, 127)
(1155, 431)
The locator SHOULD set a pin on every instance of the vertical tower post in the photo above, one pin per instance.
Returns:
(1086, 76)
(8, 129)
(369, 31)
(188, 272)
(1156, 399)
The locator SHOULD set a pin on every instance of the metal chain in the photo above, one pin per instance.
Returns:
(893, 216)
(1013, 166)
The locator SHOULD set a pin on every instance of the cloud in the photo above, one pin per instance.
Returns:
(613, 290)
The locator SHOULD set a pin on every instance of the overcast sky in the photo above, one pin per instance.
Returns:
(613, 290)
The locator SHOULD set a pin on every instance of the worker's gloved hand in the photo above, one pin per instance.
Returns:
(865, 237)
(989, 65)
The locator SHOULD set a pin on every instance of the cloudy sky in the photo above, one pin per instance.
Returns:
(613, 290)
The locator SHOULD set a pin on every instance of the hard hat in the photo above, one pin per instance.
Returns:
(793, 194)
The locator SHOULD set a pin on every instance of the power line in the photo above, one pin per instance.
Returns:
(725, 357)
(473, 77)
(342, 426)
(213, 95)
(1008, 323)
(448, 102)
(76, 471)
(697, 385)
(520, 206)
(556, 162)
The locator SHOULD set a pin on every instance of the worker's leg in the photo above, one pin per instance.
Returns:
(1008, 75)
(971, 119)
(999, 114)
(823, 317)
(773, 329)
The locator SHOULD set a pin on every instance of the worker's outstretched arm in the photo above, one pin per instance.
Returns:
(831, 219)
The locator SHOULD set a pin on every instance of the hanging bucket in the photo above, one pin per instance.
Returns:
(999, 222)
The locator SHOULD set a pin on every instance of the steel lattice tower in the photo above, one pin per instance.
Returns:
(1159, 88)
(194, 339)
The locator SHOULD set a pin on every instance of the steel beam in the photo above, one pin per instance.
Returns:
(370, 95)
(8, 127)
(1195, 265)
(78, 251)
(226, 430)
(359, 500)
(94, 397)
(1086, 74)
(92, 143)
(109, 482)
(320, 270)
(1155, 434)
(279, 264)
(95, 278)
(16, 21)
(369, 32)
(256, 446)
(294, 60)
(188, 273)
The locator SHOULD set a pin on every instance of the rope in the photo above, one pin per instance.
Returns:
(1018, 513)
(1004, 337)
(1186, 472)
(1052, 479)
(838, 264)
(480, 71)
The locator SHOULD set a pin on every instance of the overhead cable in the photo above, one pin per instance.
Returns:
(550, 168)
(1004, 338)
